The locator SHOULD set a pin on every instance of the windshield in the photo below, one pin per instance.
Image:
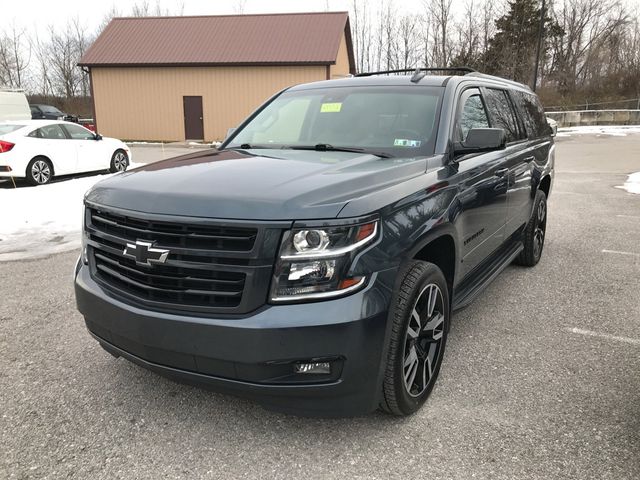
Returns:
(397, 121)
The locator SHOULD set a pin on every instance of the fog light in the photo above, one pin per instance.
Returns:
(318, 368)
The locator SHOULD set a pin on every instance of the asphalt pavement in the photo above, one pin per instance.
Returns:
(541, 377)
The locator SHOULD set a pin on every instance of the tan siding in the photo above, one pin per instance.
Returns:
(146, 103)
(341, 68)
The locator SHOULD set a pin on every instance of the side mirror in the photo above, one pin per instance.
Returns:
(230, 132)
(481, 140)
(98, 136)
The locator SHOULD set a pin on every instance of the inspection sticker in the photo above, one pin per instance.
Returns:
(330, 107)
(403, 142)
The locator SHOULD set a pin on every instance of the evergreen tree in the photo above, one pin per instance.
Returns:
(512, 50)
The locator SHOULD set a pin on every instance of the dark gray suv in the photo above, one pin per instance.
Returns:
(314, 260)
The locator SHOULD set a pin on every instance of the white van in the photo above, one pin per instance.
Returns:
(13, 105)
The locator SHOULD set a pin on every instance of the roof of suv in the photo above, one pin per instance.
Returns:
(405, 80)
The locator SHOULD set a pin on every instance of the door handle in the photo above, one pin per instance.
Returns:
(501, 172)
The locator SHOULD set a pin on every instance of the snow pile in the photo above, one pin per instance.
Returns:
(38, 221)
(613, 130)
(632, 185)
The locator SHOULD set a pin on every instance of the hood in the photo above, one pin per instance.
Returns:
(275, 185)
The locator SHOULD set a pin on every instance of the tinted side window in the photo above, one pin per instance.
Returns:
(52, 132)
(533, 114)
(502, 113)
(77, 132)
(473, 115)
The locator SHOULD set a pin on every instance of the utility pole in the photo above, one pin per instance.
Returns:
(540, 36)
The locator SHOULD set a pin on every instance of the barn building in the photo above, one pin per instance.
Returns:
(193, 78)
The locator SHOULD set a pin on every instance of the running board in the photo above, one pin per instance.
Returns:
(503, 260)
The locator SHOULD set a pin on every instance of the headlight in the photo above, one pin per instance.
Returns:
(314, 263)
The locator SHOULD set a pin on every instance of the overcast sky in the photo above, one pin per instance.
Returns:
(40, 14)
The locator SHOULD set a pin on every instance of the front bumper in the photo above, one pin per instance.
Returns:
(254, 355)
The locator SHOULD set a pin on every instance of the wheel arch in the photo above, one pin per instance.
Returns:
(120, 149)
(440, 249)
(45, 157)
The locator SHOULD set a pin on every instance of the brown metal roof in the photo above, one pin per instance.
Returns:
(293, 38)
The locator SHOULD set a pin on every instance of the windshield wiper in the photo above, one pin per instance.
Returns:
(325, 147)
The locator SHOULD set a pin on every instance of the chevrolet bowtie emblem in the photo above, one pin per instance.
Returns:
(144, 253)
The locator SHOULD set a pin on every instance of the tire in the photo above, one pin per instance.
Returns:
(119, 161)
(39, 171)
(535, 232)
(416, 352)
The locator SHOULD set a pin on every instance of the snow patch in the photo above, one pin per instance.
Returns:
(39, 221)
(612, 130)
(632, 185)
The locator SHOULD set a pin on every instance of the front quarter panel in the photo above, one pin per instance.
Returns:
(422, 214)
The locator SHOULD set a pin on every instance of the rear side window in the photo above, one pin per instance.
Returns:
(533, 114)
(52, 132)
(473, 115)
(501, 112)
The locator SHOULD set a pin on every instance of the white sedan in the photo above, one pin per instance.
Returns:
(37, 150)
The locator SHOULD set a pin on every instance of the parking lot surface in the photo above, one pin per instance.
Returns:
(541, 377)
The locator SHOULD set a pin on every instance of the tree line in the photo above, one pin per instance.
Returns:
(589, 53)
(590, 49)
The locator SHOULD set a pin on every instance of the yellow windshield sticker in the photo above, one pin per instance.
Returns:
(330, 107)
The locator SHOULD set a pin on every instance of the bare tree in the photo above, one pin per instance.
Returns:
(239, 6)
(145, 9)
(363, 31)
(409, 40)
(41, 50)
(64, 57)
(82, 42)
(440, 12)
(15, 57)
(587, 26)
(390, 40)
(468, 33)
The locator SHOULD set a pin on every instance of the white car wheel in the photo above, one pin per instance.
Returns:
(39, 171)
(119, 161)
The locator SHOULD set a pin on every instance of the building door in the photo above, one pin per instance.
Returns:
(193, 128)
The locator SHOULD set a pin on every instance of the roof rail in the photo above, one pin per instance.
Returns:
(463, 70)
(499, 79)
